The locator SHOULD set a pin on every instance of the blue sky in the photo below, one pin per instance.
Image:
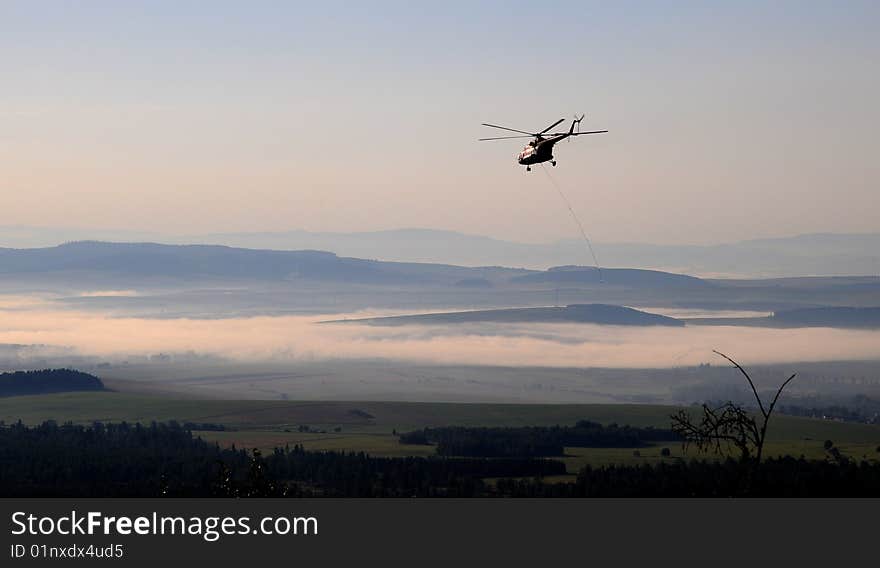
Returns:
(728, 120)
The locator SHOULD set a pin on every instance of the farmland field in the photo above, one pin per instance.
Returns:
(369, 426)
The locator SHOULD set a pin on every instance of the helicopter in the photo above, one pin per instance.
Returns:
(540, 149)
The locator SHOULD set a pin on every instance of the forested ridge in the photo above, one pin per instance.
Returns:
(47, 380)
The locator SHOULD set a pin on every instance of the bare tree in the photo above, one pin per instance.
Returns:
(729, 425)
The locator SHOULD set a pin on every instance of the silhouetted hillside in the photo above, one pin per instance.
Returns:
(628, 277)
(270, 281)
(816, 254)
(832, 317)
(189, 262)
(575, 313)
(47, 380)
(127, 262)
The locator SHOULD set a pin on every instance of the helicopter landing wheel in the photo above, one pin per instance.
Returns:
(528, 168)
(553, 163)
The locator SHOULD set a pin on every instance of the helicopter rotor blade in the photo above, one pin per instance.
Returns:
(504, 138)
(552, 125)
(578, 133)
(512, 129)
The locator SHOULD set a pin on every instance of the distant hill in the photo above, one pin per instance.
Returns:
(602, 314)
(827, 316)
(830, 317)
(627, 277)
(188, 262)
(178, 280)
(125, 263)
(803, 255)
(20, 383)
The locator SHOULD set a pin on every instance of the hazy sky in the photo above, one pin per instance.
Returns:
(728, 120)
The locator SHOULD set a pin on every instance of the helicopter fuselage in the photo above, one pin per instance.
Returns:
(539, 150)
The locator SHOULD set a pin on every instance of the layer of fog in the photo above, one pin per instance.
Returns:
(26, 321)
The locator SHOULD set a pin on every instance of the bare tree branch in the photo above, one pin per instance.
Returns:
(748, 378)
(779, 392)
(729, 424)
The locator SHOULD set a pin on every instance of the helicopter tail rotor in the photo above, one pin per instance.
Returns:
(576, 125)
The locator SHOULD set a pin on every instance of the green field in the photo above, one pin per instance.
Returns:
(368, 426)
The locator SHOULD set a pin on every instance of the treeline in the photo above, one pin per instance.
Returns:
(46, 381)
(533, 441)
(831, 412)
(133, 460)
(204, 426)
(777, 477)
(360, 475)
(859, 408)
